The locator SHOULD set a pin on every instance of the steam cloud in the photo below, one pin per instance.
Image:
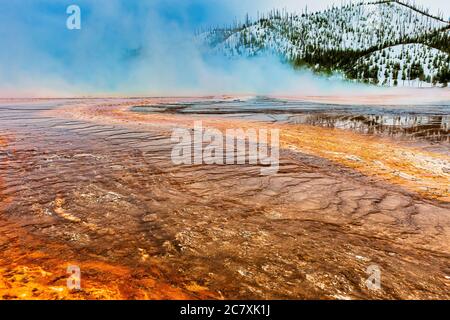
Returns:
(133, 48)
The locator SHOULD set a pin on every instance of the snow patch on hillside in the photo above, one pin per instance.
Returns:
(355, 27)
(411, 65)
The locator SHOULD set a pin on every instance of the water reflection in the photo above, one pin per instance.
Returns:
(416, 122)
(432, 128)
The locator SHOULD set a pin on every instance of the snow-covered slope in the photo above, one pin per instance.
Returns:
(403, 65)
(351, 38)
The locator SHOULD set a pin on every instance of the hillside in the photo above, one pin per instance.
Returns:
(385, 43)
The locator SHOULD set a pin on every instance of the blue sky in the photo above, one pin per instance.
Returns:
(36, 43)
(121, 41)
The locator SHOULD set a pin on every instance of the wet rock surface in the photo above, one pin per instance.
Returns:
(108, 198)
